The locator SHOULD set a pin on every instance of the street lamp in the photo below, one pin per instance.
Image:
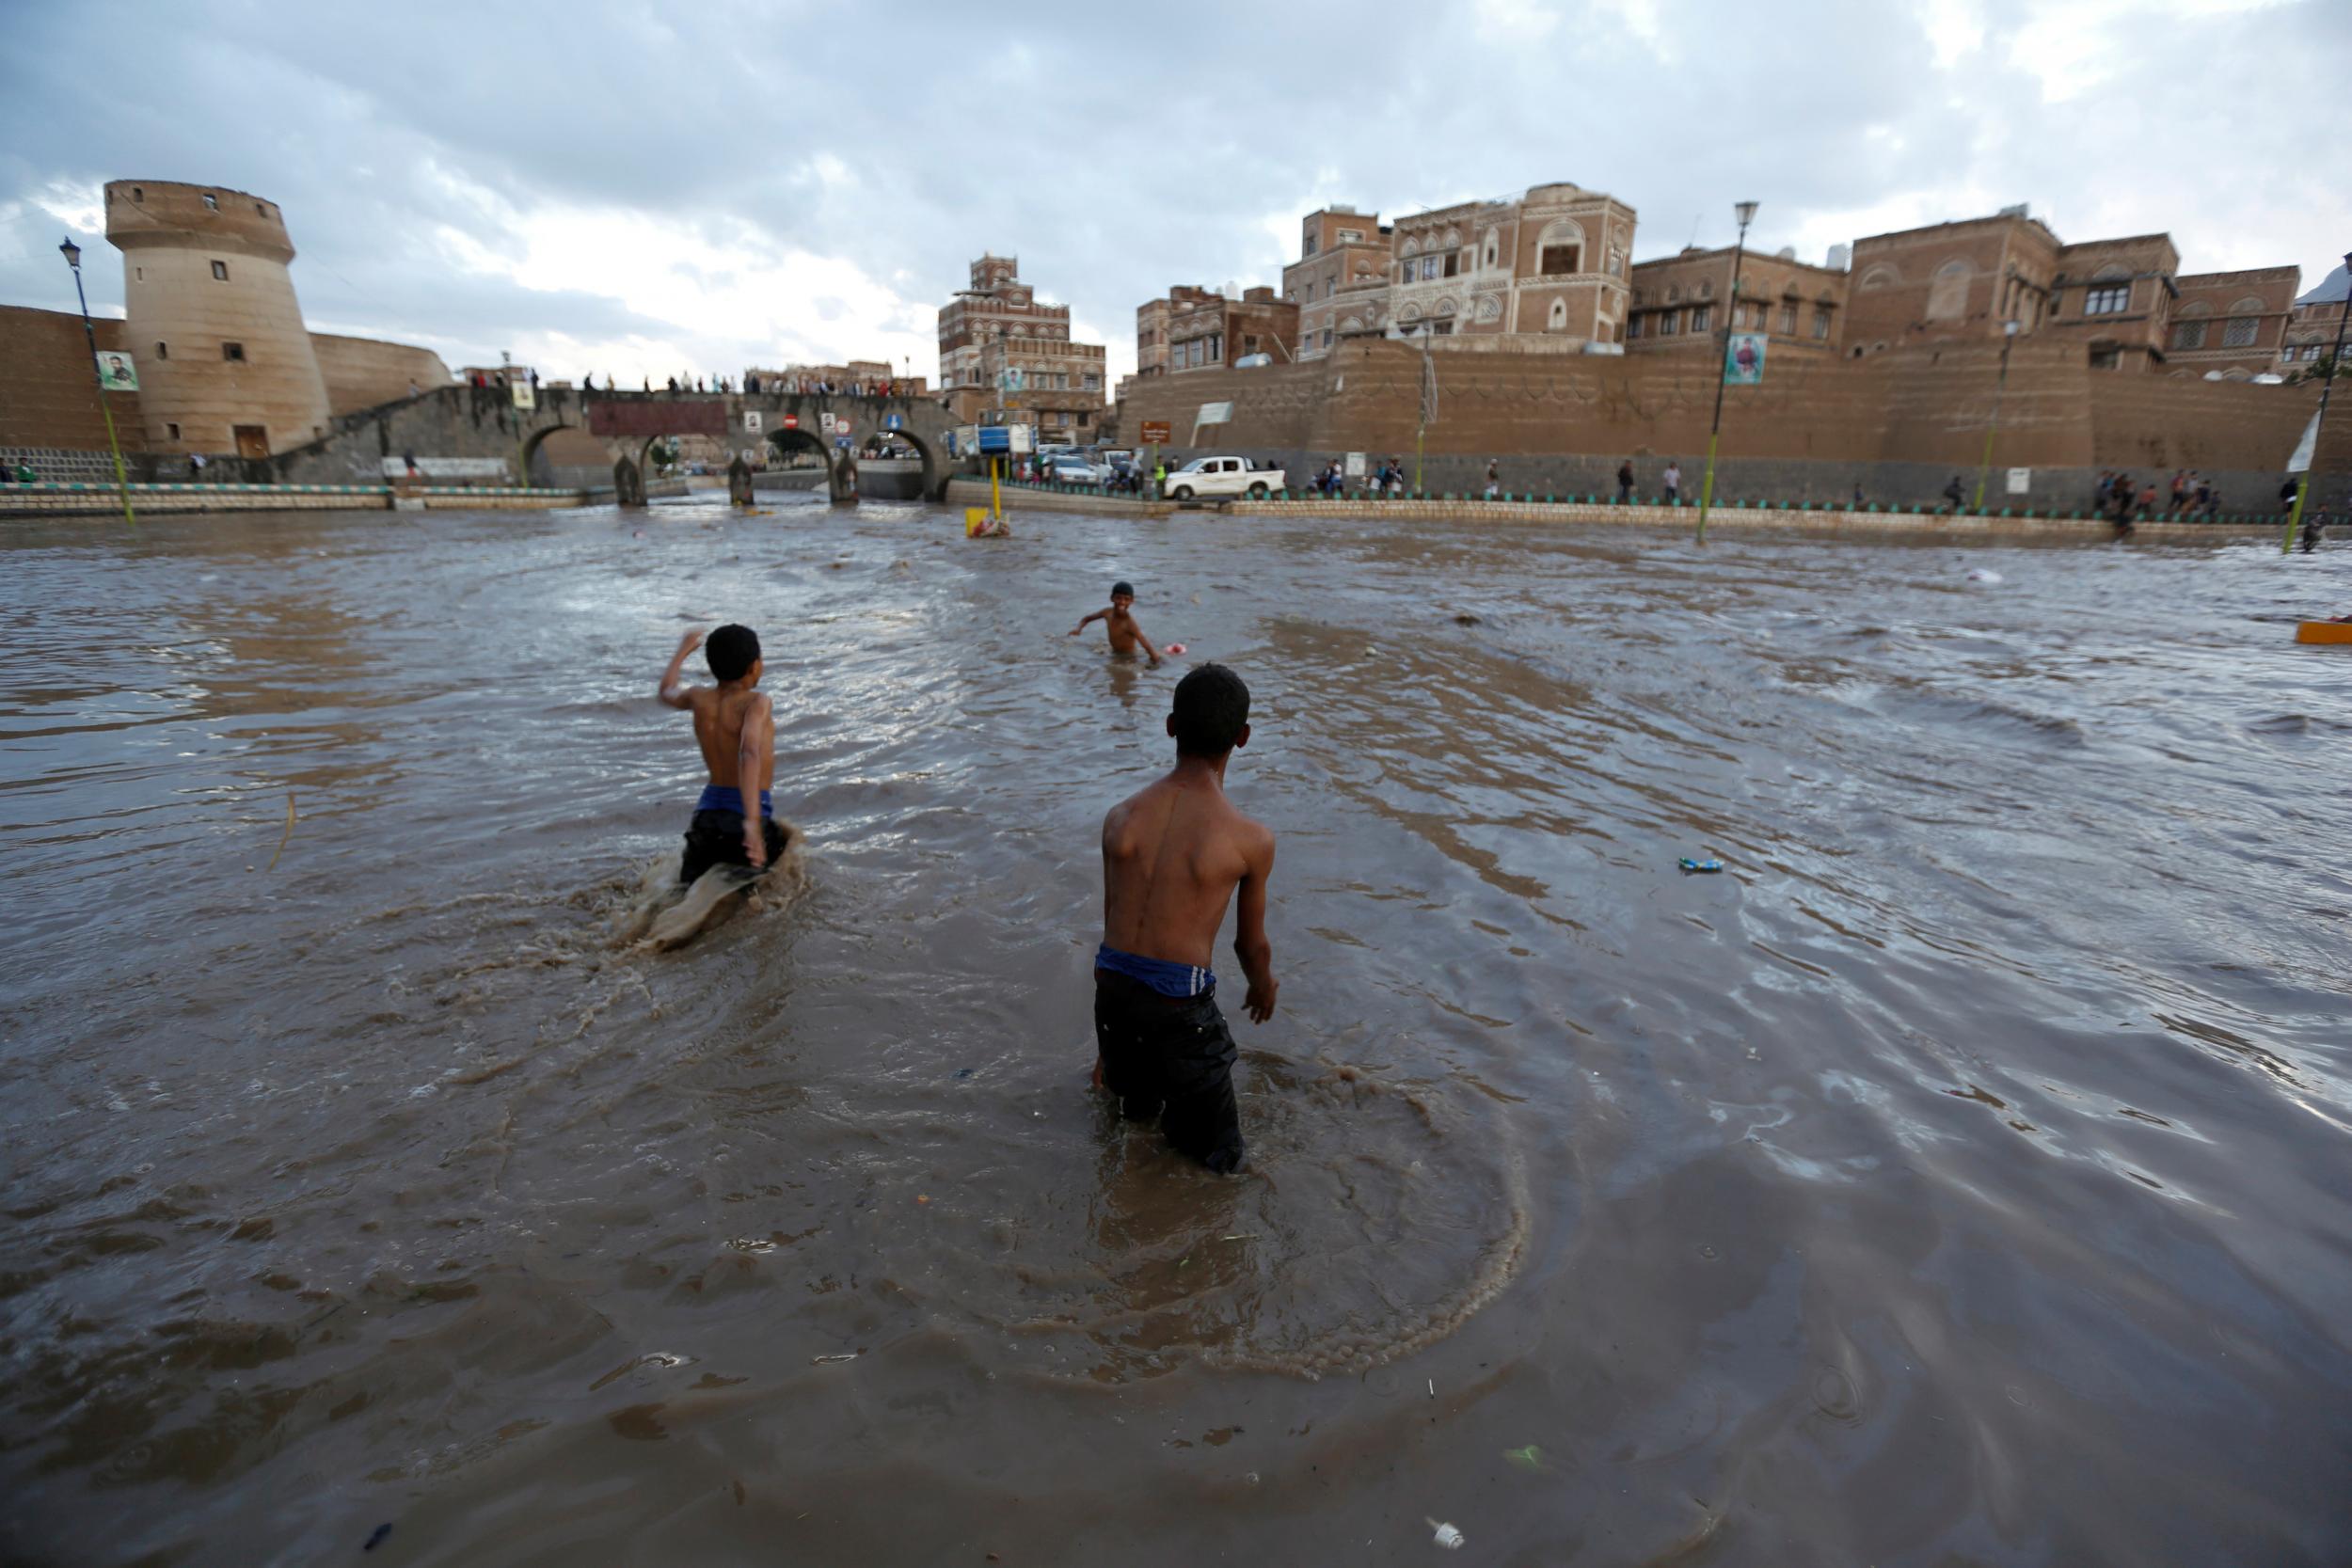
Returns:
(1984, 466)
(72, 254)
(1746, 213)
(2335, 356)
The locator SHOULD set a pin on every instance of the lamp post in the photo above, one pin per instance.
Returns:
(1984, 465)
(1746, 213)
(2319, 419)
(72, 254)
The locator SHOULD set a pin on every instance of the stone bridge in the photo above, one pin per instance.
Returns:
(482, 423)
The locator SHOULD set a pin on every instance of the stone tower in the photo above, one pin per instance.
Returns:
(225, 363)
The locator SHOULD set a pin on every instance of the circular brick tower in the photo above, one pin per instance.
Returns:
(225, 363)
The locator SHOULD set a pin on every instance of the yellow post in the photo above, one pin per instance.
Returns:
(996, 494)
(2294, 516)
(122, 483)
(1707, 488)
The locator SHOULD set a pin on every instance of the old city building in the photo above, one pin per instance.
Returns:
(1152, 318)
(1680, 302)
(2312, 324)
(2233, 322)
(1552, 263)
(2124, 301)
(1213, 332)
(1005, 357)
(1344, 270)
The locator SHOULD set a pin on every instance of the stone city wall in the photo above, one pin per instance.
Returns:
(48, 398)
(363, 373)
(1899, 425)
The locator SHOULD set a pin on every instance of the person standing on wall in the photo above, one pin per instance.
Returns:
(1672, 490)
(1625, 482)
(1494, 477)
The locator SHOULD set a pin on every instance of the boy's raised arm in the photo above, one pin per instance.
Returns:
(1249, 939)
(673, 687)
(1087, 622)
(758, 741)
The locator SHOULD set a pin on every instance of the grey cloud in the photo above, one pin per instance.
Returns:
(1124, 154)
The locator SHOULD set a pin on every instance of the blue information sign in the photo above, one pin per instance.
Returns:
(996, 438)
(894, 422)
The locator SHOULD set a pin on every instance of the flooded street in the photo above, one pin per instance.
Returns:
(1960, 1177)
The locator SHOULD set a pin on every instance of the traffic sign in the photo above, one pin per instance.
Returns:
(894, 422)
(1156, 433)
(791, 422)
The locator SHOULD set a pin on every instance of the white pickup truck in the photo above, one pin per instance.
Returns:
(1216, 478)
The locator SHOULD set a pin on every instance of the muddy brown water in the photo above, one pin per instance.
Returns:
(1958, 1178)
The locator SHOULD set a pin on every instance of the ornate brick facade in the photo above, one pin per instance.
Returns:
(1681, 302)
(1552, 263)
(1003, 355)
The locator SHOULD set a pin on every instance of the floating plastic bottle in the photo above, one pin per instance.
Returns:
(1448, 1537)
(1690, 864)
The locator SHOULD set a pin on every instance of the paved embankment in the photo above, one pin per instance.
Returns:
(1871, 524)
(45, 500)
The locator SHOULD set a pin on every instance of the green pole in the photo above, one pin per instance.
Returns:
(89, 334)
(1984, 465)
(1746, 213)
(2319, 419)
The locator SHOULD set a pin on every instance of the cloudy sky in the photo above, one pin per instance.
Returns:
(637, 188)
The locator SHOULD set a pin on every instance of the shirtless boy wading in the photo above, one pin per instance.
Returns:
(1173, 857)
(735, 728)
(1120, 621)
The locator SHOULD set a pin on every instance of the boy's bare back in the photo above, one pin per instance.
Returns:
(720, 715)
(1173, 856)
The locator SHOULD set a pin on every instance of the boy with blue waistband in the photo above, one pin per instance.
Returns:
(1172, 858)
(735, 728)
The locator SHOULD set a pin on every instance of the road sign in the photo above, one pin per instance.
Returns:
(791, 422)
(894, 422)
(1156, 433)
(841, 441)
(996, 438)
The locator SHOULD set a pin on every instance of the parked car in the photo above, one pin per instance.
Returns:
(1076, 470)
(1207, 478)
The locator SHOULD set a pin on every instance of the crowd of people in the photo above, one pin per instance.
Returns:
(2190, 494)
(754, 384)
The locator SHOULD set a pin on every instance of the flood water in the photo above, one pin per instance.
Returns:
(1958, 1178)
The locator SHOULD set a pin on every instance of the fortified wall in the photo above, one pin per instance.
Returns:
(1897, 425)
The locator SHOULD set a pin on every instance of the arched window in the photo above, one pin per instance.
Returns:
(1353, 323)
(1454, 238)
(1947, 293)
(1559, 318)
(1490, 250)
(1560, 248)
(1410, 247)
(1673, 293)
(1879, 276)
(1706, 289)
